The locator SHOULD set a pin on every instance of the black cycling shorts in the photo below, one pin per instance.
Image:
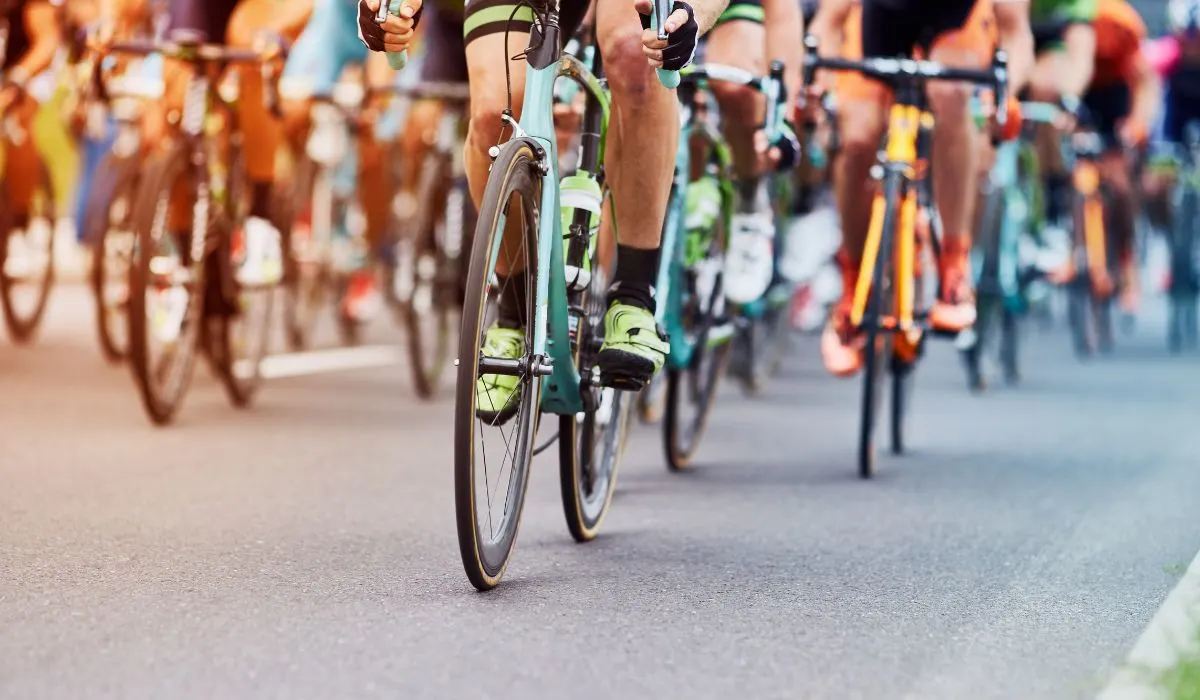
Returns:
(891, 28)
(483, 17)
(1107, 107)
(210, 17)
(445, 58)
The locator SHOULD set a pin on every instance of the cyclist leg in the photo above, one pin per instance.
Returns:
(643, 135)
(862, 108)
(966, 38)
(1108, 106)
(261, 135)
(738, 40)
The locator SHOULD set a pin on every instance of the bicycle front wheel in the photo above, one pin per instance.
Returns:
(27, 259)
(110, 218)
(486, 536)
(166, 286)
(878, 348)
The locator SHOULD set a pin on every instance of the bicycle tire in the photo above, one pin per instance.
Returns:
(701, 380)
(23, 324)
(515, 170)
(989, 298)
(590, 451)
(306, 284)
(428, 329)
(124, 173)
(878, 347)
(162, 173)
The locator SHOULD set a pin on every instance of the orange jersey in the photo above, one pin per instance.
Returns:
(1119, 34)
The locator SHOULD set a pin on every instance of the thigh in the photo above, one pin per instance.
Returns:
(850, 86)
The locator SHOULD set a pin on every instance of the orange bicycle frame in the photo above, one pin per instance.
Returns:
(1086, 180)
(904, 125)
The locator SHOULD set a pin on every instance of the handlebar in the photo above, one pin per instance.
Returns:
(658, 18)
(899, 70)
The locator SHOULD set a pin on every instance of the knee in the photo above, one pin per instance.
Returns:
(860, 135)
(629, 75)
(738, 103)
(486, 110)
(950, 103)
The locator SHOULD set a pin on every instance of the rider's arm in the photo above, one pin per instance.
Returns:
(829, 28)
(1080, 41)
(1016, 38)
(45, 36)
(784, 22)
(1146, 88)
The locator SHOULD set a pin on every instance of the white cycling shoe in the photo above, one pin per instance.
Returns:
(750, 260)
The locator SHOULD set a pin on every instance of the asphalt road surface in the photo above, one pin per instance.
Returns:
(306, 548)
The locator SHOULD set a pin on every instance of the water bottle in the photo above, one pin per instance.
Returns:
(580, 191)
(702, 208)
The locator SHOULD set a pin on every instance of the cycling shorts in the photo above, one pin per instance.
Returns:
(484, 17)
(808, 10)
(210, 17)
(1107, 107)
(18, 40)
(445, 59)
(743, 10)
(887, 30)
(327, 45)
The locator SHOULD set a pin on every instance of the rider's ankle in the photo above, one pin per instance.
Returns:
(633, 282)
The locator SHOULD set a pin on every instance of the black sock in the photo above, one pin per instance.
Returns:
(748, 191)
(260, 200)
(512, 305)
(633, 282)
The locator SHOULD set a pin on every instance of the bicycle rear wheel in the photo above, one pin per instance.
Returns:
(167, 285)
(878, 348)
(486, 540)
(425, 278)
(27, 260)
(307, 244)
(109, 216)
(709, 334)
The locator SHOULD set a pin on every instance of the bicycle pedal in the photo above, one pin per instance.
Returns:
(622, 381)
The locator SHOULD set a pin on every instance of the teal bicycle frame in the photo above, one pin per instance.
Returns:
(551, 322)
(672, 263)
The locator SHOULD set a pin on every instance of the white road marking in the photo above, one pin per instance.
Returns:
(302, 364)
(1173, 633)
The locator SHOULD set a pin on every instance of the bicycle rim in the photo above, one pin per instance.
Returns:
(486, 540)
(111, 212)
(308, 237)
(166, 293)
(27, 262)
(878, 348)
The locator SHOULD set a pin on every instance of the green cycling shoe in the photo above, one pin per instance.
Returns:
(498, 396)
(634, 349)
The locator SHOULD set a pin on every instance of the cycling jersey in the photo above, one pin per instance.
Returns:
(1049, 20)
(1181, 99)
(445, 49)
(209, 17)
(327, 45)
(744, 10)
(1119, 34)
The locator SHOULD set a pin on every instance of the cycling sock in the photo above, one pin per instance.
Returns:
(260, 200)
(749, 190)
(514, 292)
(633, 282)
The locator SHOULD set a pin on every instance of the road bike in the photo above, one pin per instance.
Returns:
(1185, 282)
(562, 308)
(888, 305)
(184, 293)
